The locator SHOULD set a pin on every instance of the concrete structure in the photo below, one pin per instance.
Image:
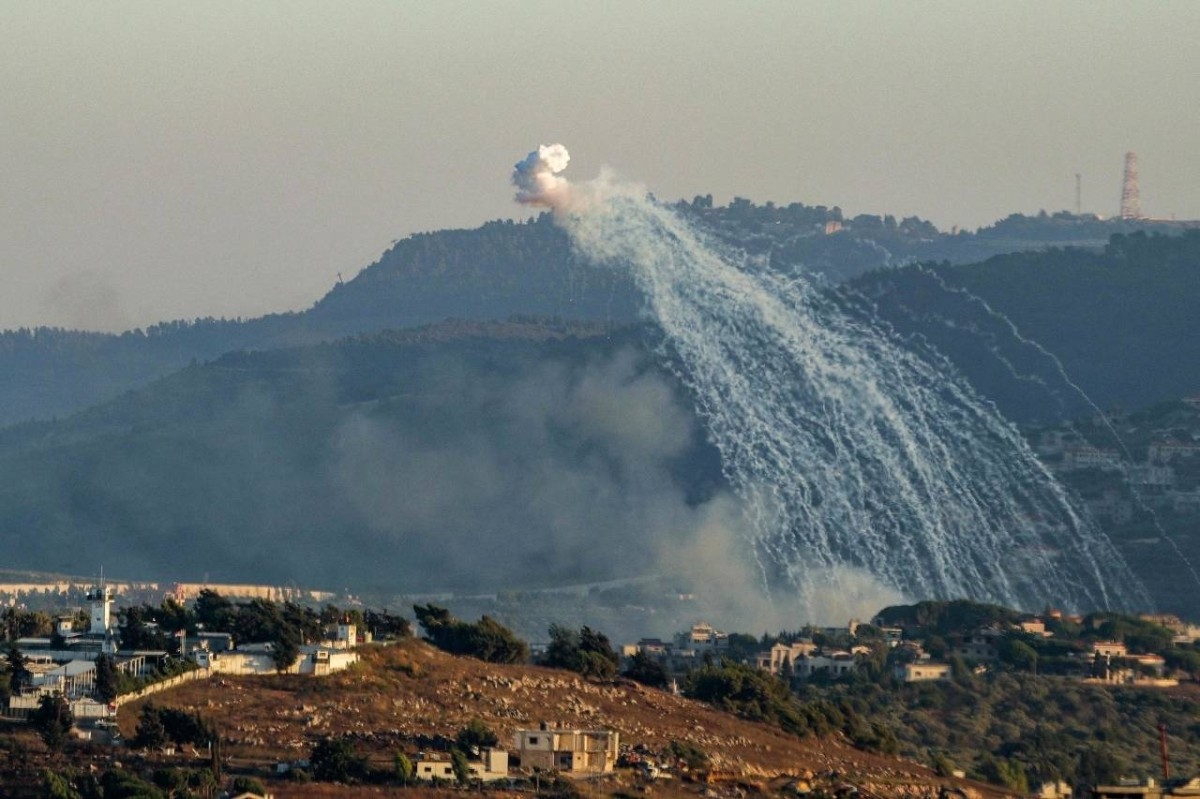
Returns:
(571, 750)
(1108, 649)
(923, 672)
(703, 637)
(1034, 626)
(783, 657)
(1053, 790)
(1167, 451)
(1086, 457)
(980, 645)
(1149, 790)
(346, 636)
(313, 659)
(73, 679)
(654, 647)
(491, 765)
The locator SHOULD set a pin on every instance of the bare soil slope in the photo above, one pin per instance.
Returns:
(399, 693)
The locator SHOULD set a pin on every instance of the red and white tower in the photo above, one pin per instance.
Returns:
(1131, 207)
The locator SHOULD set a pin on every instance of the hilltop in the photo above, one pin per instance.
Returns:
(411, 691)
(495, 271)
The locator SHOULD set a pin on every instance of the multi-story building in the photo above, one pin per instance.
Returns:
(567, 749)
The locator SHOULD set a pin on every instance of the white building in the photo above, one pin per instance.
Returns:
(925, 671)
(703, 637)
(491, 765)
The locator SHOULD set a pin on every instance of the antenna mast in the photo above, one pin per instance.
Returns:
(1078, 194)
(1131, 207)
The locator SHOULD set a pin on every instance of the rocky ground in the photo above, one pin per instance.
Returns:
(401, 696)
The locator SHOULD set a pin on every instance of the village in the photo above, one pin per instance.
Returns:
(94, 661)
(1123, 464)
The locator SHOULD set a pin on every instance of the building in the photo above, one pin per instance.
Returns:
(1086, 457)
(1108, 649)
(259, 659)
(979, 645)
(345, 636)
(1167, 451)
(923, 672)
(491, 765)
(1149, 790)
(571, 750)
(680, 655)
(702, 638)
(832, 664)
(783, 657)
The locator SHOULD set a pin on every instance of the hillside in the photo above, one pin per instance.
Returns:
(470, 456)
(493, 272)
(403, 693)
(1122, 322)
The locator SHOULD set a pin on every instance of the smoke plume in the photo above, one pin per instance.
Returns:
(537, 180)
(849, 452)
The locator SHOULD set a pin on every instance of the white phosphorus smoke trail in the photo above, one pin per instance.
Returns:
(846, 448)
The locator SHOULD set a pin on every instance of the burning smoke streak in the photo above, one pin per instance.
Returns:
(847, 451)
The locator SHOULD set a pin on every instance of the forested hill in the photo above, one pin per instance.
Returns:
(461, 455)
(1123, 322)
(492, 272)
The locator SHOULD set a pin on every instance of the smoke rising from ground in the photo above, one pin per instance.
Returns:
(563, 473)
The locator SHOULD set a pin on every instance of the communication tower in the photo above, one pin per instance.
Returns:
(1078, 194)
(1131, 207)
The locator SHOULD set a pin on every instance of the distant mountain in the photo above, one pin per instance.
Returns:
(493, 272)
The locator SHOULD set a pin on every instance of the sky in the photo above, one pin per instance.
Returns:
(163, 160)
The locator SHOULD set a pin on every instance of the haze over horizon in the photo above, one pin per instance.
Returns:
(174, 161)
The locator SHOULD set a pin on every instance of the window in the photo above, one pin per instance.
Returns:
(533, 739)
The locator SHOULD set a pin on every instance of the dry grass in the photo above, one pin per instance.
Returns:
(397, 693)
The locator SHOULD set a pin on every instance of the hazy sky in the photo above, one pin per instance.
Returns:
(162, 160)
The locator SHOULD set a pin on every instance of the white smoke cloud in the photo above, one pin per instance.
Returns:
(537, 180)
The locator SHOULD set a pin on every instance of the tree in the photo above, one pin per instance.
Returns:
(385, 626)
(598, 658)
(106, 679)
(334, 760)
(475, 736)
(462, 770)
(151, 733)
(587, 652)
(213, 610)
(123, 784)
(285, 648)
(563, 650)
(486, 639)
(646, 670)
(403, 767)
(18, 672)
(135, 631)
(1016, 653)
(56, 786)
(1001, 771)
(53, 720)
(243, 784)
